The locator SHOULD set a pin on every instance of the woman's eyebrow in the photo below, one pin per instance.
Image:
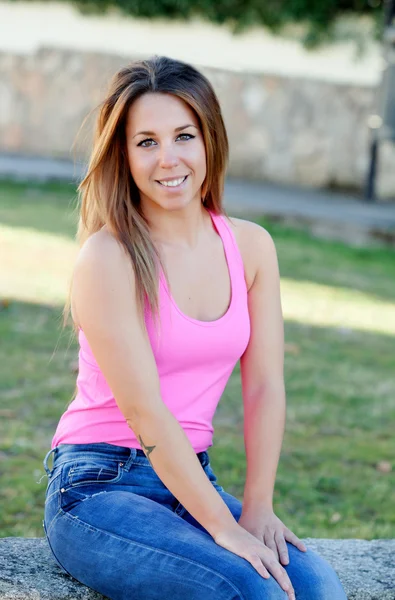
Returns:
(153, 132)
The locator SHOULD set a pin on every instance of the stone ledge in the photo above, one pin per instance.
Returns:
(28, 570)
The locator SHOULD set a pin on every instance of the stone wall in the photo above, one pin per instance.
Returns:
(281, 129)
(29, 571)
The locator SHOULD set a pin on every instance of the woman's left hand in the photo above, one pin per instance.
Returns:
(269, 529)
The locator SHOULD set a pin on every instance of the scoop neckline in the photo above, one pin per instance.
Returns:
(229, 311)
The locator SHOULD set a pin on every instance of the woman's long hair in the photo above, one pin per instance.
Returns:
(108, 194)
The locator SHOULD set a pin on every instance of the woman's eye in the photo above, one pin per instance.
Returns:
(188, 135)
(143, 142)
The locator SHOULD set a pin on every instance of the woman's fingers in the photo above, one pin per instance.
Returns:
(239, 541)
(280, 574)
(282, 548)
(256, 562)
(291, 537)
(269, 541)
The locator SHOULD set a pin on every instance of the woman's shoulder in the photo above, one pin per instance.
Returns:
(243, 227)
(102, 260)
(101, 247)
(247, 235)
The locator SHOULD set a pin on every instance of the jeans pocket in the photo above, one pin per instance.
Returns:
(87, 471)
(83, 477)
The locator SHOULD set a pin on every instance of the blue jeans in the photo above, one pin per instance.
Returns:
(114, 526)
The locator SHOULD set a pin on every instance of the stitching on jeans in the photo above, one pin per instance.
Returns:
(77, 456)
(55, 557)
(77, 521)
(50, 481)
(59, 513)
(50, 496)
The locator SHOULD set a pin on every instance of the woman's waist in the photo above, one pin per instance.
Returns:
(68, 452)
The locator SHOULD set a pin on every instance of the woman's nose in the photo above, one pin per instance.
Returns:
(167, 157)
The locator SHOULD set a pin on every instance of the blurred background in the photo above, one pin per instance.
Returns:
(307, 92)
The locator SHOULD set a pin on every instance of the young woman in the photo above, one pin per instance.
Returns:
(167, 294)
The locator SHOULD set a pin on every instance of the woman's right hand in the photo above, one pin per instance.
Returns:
(241, 542)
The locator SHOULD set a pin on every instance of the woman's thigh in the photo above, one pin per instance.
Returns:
(127, 545)
(312, 577)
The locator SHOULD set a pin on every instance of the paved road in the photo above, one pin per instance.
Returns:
(314, 204)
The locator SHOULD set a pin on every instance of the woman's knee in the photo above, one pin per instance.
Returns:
(250, 585)
(312, 577)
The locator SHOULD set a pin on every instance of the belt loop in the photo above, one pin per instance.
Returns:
(46, 460)
(201, 456)
(130, 460)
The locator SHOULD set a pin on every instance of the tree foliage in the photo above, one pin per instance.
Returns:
(239, 15)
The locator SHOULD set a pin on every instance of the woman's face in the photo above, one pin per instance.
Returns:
(164, 142)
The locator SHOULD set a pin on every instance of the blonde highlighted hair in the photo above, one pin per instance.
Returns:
(108, 195)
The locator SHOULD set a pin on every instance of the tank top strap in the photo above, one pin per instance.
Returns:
(233, 255)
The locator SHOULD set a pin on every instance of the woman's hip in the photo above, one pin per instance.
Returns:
(81, 471)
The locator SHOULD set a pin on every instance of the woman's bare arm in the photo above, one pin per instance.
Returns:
(105, 306)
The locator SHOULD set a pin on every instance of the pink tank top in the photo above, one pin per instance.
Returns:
(194, 360)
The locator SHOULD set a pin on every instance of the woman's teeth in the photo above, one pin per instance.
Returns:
(174, 182)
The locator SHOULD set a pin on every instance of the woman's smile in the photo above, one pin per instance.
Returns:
(174, 184)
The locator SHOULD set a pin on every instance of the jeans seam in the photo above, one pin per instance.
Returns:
(51, 480)
(58, 514)
(77, 521)
(71, 485)
(78, 456)
(50, 496)
(50, 546)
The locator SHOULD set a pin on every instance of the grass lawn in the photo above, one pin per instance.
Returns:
(336, 475)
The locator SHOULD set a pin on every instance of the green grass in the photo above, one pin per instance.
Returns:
(339, 311)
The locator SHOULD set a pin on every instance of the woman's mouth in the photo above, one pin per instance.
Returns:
(175, 184)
